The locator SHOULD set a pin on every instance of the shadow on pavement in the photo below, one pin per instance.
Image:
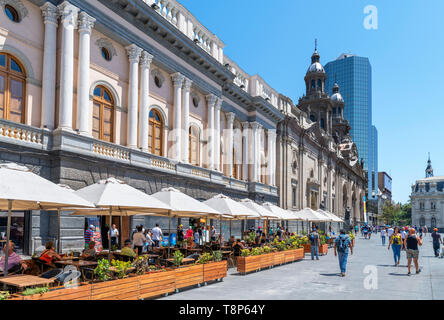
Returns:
(399, 274)
(330, 274)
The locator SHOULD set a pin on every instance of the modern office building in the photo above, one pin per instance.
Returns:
(353, 74)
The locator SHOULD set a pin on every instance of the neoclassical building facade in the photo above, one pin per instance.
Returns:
(137, 90)
(319, 163)
(427, 199)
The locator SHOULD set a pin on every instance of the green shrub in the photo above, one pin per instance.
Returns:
(102, 270)
(204, 258)
(178, 258)
(245, 253)
(4, 295)
(31, 291)
(217, 255)
(121, 267)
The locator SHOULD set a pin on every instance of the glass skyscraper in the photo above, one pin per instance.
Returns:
(353, 74)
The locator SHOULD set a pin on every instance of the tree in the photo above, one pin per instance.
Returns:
(394, 214)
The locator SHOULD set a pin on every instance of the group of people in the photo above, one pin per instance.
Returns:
(197, 235)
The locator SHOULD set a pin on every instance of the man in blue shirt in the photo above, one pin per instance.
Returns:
(342, 244)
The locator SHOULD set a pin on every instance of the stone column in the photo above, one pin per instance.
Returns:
(229, 143)
(245, 147)
(177, 130)
(50, 15)
(271, 156)
(217, 134)
(186, 120)
(86, 22)
(68, 20)
(133, 52)
(255, 147)
(211, 101)
(145, 63)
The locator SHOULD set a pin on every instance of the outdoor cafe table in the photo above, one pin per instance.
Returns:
(23, 281)
(78, 264)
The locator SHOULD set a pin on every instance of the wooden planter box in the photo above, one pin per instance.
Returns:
(248, 264)
(289, 256)
(266, 260)
(74, 293)
(307, 248)
(122, 289)
(299, 254)
(278, 258)
(323, 249)
(188, 276)
(214, 270)
(156, 283)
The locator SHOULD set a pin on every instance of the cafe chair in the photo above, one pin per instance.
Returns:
(53, 273)
(69, 275)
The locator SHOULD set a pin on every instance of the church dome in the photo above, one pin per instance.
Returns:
(315, 67)
(337, 97)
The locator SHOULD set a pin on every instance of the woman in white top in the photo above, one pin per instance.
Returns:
(139, 240)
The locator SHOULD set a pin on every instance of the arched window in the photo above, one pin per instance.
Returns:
(422, 222)
(155, 134)
(12, 89)
(313, 84)
(319, 83)
(193, 145)
(103, 114)
(433, 222)
(322, 123)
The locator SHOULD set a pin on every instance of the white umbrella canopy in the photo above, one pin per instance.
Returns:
(29, 191)
(281, 213)
(267, 214)
(333, 216)
(227, 206)
(116, 194)
(184, 205)
(311, 215)
(22, 190)
(325, 215)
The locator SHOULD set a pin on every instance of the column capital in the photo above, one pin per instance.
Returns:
(218, 103)
(187, 84)
(211, 99)
(86, 22)
(49, 13)
(255, 125)
(133, 53)
(177, 79)
(68, 14)
(245, 125)
(230, 118)
(271, 132)
(145, 59)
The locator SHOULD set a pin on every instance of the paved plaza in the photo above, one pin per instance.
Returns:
(309, 279)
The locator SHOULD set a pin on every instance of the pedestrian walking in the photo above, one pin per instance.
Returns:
(395, 243)
(404, 234)
(315, 242)
(383, 235)
(139, 240)
(369, 232)
(342, 244)
(412, 241)
(390, 232)
(437, 242)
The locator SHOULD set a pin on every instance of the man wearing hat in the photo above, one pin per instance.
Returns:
(180, 234)
(437, 241)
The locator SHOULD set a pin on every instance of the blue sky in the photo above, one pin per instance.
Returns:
(275, 39)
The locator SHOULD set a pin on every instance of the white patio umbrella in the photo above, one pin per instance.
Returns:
(265, 213)
(22, 190)
(325, 215)
(281, 213)
(117, 197)
(183, 205)
(333, 216)
(228, 206)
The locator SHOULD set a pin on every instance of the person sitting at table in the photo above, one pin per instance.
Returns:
(49, 255)
(90, 253)
(127, 251)
(231, 241)
(237, 247)
(14, 260)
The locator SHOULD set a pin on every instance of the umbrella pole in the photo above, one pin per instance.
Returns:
(169, 232)
(58, 232)
(220, 235)
(230, 228)
(120, 232)
(109, 238)
(8, 233)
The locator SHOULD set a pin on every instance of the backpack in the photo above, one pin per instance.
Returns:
(342, 245)
(311, 237)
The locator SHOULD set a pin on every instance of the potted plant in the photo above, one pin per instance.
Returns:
(102, 270)
(323, 248)
(34, 293)
(177, 258)
(215, 269)
(249, 260)
(121, 268)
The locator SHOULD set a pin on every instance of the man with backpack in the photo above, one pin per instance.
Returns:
(315, 242)
(342, 244)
